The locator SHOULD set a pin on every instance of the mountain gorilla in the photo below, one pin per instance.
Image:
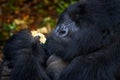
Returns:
(86, 39)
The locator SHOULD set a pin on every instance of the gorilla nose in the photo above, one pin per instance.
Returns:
(61, 31)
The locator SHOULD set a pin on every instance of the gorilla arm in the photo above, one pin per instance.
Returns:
(27, 57)
(55, 66)
(96, 66)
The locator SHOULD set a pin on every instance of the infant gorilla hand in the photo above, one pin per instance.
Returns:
(55, 66)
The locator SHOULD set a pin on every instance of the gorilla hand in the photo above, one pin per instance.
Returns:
(55, 66)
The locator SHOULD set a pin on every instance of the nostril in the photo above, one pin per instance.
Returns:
(63, 32)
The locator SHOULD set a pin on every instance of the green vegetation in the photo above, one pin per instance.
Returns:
(32, 14)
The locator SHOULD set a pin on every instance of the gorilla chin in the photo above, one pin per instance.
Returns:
(85, 45)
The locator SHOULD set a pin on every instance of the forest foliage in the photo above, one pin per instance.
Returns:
(33, 14)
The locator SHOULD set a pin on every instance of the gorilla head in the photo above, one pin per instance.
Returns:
(85, 27)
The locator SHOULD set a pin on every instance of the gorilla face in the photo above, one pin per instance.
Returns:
(80, 30)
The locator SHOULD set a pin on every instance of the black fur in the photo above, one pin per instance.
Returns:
(87, 37)
(92, 45)
(0, 71)
(26, 57)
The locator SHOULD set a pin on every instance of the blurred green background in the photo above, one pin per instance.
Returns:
(33, 14)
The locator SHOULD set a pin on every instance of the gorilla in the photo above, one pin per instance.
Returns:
(85, 45)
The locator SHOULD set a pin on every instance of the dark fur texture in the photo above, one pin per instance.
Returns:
(26, 57)
(92, 45)
(55, 66)
(87, 37)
